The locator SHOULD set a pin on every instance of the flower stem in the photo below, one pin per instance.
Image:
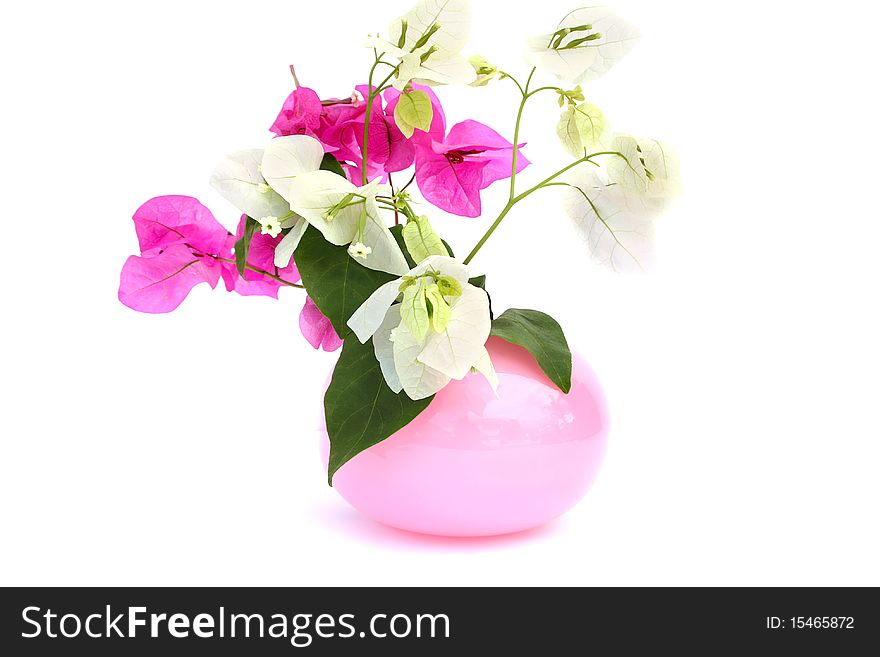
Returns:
(371, 96)
(512, 198)
(547, 182)
(519, 114)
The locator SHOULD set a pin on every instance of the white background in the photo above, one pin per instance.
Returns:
(181, 449)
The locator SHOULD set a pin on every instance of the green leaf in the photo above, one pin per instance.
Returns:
(582, 126)
(414, 110)
(336, 283)
(421, 240)
(414, 310)
(479, 281)
(330, 163)
(440, 310)
(542, 336)
(397, 231)
(243, 245)
(360, 409)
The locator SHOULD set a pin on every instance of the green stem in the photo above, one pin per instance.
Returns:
(516, 199)
(367, 114)
(488, 234)
(514, 80)
(519, 114)
(512, 198)
(540, 89)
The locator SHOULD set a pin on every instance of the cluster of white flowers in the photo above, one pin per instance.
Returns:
(435, 334)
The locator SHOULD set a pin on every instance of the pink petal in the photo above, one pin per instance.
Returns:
(472, 134)
(262, 256)
(317, 329)
(342, 133)
(160, 282)
(499, 165)
(167, 220)
(451, 187)
(300, 114)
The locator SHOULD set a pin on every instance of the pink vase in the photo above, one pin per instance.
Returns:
(480, 464)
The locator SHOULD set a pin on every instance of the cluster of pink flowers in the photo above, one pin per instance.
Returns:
(182, 244)
(451, 169)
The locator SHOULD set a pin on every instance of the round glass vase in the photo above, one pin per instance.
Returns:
(481, 463)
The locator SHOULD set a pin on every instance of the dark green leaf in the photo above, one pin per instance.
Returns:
(542, 336)
(335, 282)
(330, 163)
(479, 281)
(397, 231)
(361, 410)
(243, 245)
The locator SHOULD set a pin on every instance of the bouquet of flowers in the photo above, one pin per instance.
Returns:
(321, 212)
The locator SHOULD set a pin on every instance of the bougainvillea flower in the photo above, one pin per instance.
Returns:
(427, 43)
(300, 114)
(648, 170)
(437, 332)
(451, 173)
(256, 182)
(167, 220)
(614, 211)
(179, 240)
(238, 179)
(317, 329)
(585, 45)
(348, 215)
(159, 283)
(387, 149)
(182, 245)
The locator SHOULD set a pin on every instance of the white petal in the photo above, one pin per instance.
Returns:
(288, 157)
(484, 366)
(568, 65)
(386, 254)
(384, 348)
(384, 47)
(454, 17)
(316, 192)
(366, 320)
(455, 351)
(455, 70)
(239, 181)
(287, 245)
(618, 227)
(643, 155)
(593, 58)
(417, 379)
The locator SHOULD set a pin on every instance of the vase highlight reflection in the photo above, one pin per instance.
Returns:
(480, 464)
